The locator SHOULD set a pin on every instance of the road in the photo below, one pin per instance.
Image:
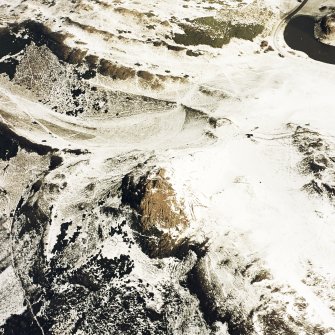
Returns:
(278, 32)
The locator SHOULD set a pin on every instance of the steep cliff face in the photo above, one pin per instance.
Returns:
(160, 217)
(159, 206)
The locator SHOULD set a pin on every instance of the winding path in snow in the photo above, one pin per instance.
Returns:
(279, 30)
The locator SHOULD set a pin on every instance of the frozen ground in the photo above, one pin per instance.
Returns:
(153, 184)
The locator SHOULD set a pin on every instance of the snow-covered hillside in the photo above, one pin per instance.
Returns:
(165, 168)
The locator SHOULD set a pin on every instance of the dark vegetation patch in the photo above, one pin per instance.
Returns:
(260, 276)
(196, 115)
(275, 323)
(158, 244)
(133, 191)
(88, 74)
(76, 152)
(62, 242)
(193, 53)
(77, 92)
(99, 270)
(8, 66)
(202, 289)
(55, 162)
(75, 235)
(11, 142)
(30, 218)
(214, 32)
(8, 147)
(23, 324)
(110, 211)
(114, 310)
(15, 38)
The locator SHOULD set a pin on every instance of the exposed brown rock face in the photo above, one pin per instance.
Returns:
(115, 71)
(159, 206)
(161, 217)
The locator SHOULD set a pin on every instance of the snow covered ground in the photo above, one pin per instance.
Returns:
(245, 135)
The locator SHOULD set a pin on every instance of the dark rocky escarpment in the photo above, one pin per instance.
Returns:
(327, 24)
(318, 162)
(11, 143)
(18, 36)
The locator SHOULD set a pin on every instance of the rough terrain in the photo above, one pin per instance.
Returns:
(165, 168)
